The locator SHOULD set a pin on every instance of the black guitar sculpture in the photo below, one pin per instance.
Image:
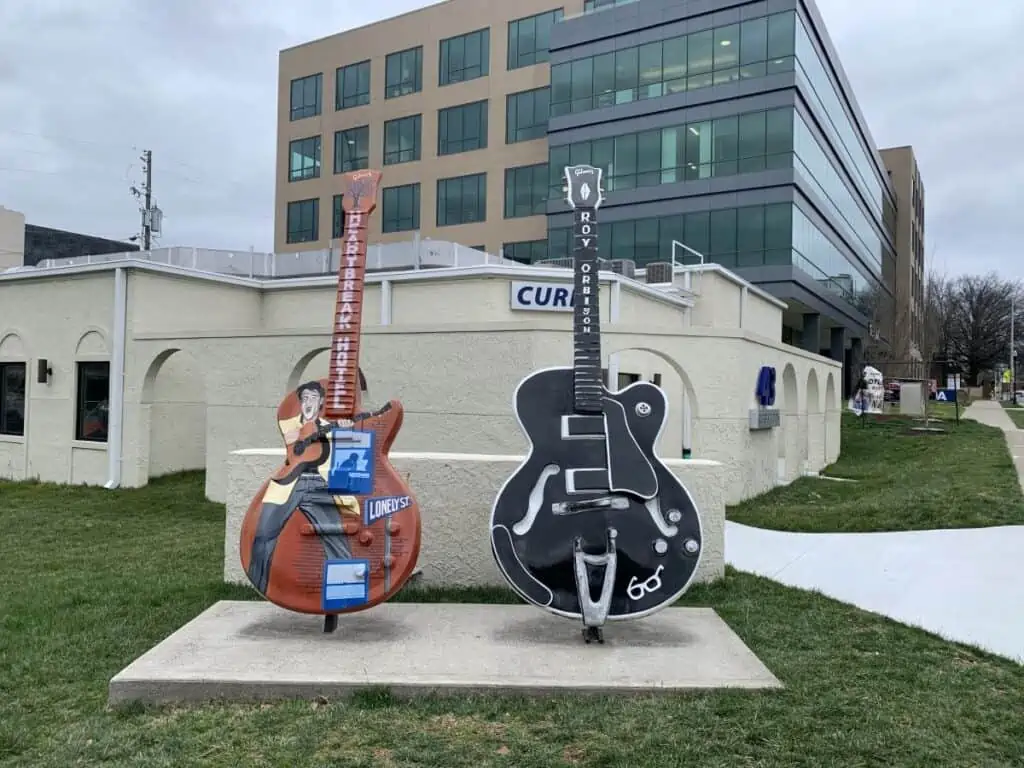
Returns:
(593, 525)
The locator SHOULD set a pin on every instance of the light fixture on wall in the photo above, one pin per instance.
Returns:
(44, 371)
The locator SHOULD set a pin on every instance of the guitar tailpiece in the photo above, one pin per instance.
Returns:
(595, 613)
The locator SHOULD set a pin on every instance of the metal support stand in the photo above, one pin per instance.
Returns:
(595, 613)
(330, 622)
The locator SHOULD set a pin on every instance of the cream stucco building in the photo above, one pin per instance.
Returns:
(136, 367)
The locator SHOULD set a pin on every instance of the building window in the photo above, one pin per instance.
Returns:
(305, 101)
(401, 208)
(91, 416)
(755, 48)
(526, 191)
(403, 73)
(462, 200)
(304, 159)
(465, 57)
(528, 38)
(12, 398)
(338, 217)
(352, 149)
(747, 143)
(352, 85)
(303, 221)
(589, 6)
(733, 237)
(402, 140)
(526, 115)
(462, 128)
(526, 251)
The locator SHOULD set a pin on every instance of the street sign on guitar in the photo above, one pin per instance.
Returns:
(593, 525)
(320, 535)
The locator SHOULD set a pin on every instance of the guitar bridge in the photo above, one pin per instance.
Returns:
(589, 505)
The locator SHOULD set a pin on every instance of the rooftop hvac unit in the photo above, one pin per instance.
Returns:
(625, 267)
(659, 272)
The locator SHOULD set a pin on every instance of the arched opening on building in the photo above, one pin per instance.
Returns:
(815, 425)
(832, 420)
(14, 386)
(173, 404)
(632, 364)
(790, 451)
(315, 364)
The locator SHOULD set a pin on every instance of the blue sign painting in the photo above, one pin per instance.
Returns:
(380, 507)
(351, 470)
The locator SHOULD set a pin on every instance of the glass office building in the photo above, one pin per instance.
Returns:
(729, 127)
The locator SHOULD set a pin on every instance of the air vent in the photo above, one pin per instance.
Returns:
(659, 272)
(625, 267)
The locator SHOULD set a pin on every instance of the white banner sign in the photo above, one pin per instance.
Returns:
(541, 297)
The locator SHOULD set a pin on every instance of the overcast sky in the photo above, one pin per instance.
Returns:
(86, 85)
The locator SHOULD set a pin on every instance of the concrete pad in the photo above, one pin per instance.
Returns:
(249, 651)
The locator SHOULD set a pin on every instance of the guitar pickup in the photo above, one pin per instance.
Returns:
(586, 480)
(586, 427)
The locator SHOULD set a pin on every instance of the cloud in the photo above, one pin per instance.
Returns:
(85, 87)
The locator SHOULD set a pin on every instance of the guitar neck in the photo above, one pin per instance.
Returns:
(343, 379)
(586, 315)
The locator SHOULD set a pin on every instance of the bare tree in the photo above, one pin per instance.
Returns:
(975, 321)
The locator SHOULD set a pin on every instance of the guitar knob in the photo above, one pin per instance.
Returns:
(661, 546)
(395, 528)
(691, 546)
(351, 528)
(365, 538)
(388, 561)
(674, 515)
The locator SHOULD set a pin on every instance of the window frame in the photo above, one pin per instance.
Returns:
(403, 87)
(317, 106)
(301, 174)
(5, 428)
(536, 172)
(458, 113)
(446, 184)
(513, 108)
(292, 205)
(81, 375)
(445, 46)
(417, 148)
(538, 55)
(390, 223)
(361, 96)
(341, 142)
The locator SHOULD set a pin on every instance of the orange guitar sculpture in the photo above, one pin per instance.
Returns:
(335, 529)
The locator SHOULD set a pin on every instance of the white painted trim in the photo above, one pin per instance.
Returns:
(115, 426)
(614, 304)
(410, 275)
(688, 269)
(385, 302)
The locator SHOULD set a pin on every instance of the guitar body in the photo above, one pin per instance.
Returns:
(292, 530)
(578, 460)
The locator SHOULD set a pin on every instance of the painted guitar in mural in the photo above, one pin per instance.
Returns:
(335, 529)
(593, 525)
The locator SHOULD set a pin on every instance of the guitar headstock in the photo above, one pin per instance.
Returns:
(360, 191)
(583, 186)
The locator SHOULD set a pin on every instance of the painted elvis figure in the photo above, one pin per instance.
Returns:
(308, 494)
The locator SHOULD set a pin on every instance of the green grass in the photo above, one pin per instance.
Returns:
(1016, 416)
(963, 478)
(91, 579)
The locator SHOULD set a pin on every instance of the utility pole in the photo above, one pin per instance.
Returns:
(147, 230)
(1013, 351)
(152, 216)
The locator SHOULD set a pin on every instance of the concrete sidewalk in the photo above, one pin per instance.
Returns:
(994, 415)
(966, 585)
